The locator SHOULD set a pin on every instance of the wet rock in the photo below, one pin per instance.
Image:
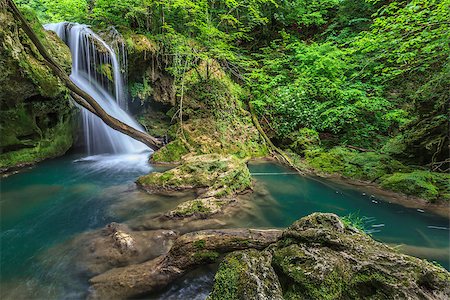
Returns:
(116, 245)
(212, 175)
(200, 208)
(246, 274)
(319, 257)
(189, 251)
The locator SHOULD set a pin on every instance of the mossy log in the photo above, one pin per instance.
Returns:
(189, 250)
(78, 94)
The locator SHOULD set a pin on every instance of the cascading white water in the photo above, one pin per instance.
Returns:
(96, 70)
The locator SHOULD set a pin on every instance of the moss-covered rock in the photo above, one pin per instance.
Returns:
(201, 207)
(36, 115)
(319, 257)
(246, 274)
(172, 152)
(220, 176)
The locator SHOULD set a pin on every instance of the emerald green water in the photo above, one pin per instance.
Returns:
(420, 233)
(48, 205)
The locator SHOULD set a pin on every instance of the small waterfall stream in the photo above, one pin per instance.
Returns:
(97, 70)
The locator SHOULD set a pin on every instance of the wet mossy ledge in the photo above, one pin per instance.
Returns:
(37, 118)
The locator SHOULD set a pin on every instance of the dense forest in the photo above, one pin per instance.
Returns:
(356, 92)
(358, 88)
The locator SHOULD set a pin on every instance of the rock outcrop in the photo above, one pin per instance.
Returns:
(36, 115)
(189, 251)
(319, 257)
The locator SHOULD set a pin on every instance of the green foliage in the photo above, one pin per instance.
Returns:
(303, 139)
(306, 14)
(373, 74)
(406, 36)
(354, 220)
(58, 10)
(301, 85)
(141, 91)
(424, 184)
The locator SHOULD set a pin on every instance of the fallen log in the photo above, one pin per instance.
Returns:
(189, 251)
(81, 97)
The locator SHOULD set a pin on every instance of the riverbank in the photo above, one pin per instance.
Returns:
(440, 207)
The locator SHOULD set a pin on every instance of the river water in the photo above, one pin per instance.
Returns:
(44, 207)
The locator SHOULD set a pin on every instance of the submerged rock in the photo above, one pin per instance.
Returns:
(116, 245)
(319, 257)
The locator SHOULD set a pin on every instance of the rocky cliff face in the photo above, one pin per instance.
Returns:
(36, 115)
(318, 257)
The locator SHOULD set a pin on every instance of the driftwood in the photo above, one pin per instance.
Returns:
(78, 94)
(189, 251)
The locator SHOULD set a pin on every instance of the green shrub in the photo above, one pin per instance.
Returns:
(304, 139)
(418, 183)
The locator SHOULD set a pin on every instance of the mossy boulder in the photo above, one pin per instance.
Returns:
(320, 257)
(218, 175)
(36, 113)
(246, 274)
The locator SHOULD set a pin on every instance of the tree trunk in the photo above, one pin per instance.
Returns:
(78, 94)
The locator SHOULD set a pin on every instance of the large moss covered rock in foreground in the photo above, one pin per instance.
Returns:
(36, 116)
(319, 257)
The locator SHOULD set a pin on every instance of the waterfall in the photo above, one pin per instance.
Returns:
(97, 70)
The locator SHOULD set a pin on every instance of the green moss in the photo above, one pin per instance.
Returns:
(172, 152)
(56, 142)
(195, 207)
(200, 244)
(226, 280)
(206, 256)
(352, 164)
(381, 168)
(424, 184)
